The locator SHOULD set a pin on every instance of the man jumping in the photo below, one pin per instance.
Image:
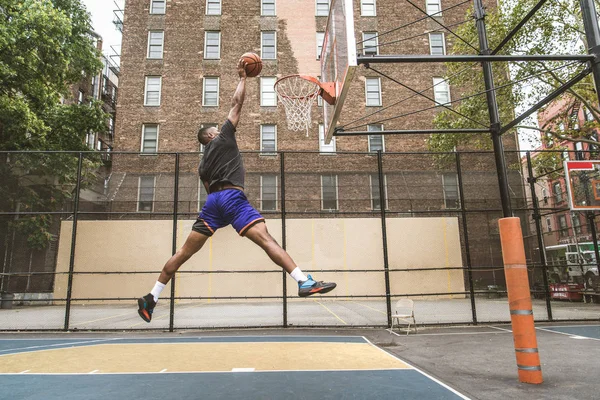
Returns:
(222, 173)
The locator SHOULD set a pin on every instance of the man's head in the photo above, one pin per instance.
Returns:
(206, 134)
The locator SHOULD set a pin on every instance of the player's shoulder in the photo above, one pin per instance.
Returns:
(228, 126)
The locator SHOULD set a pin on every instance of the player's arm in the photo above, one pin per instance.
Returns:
(239, 95)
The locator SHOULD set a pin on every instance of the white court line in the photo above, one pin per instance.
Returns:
(572, 336)
(44, 347)
(391, 331)
(242, 370)
(501, 329)
(94, 371)
(462, 396)
(448, 333)
(163, 370)
(24, 372)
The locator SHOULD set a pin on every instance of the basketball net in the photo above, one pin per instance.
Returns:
(298, 96)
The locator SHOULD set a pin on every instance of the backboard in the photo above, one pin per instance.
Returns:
(583, 184)
(338, 59)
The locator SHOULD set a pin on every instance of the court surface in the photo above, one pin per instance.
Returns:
(211, 367)
(576, 331)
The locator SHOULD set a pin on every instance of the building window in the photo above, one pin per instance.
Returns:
(202, 195)
(325, 148)
(267, 92)
(576, 223)
(549, 224)
(212, 45)
(373, 91)
(268, 192)
(213, 7)
(587, 114)
(146, 193)
(370, 43)
(376, 141)
(267, 7)
(90, 140)
(80, 96)
(564, 228)
(149, 138)
(268, 138)
(579, 155)
(434, 7)
(558, 195)
(329, 192)
(157, 6)
(545, 196)
(375, 198)
(322, 8)
(153, 88)
(450, 186)
(437, 44)
(367, 8)
(211, 92)
(155, 44)
(441, 91)
(320, 38)
(268, 45)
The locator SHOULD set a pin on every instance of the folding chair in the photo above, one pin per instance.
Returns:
(405, 312)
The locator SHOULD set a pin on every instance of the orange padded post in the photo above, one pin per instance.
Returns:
(519, 299)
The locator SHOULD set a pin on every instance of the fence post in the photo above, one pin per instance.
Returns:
(386, 265)
(73, 243)
(174, 239)
(466, 231)
(283, 236)
(538, 228)
(592, 219)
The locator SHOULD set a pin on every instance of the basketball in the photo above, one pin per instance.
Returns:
(253, 64)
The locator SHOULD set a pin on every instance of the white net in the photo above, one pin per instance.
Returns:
(297, 95)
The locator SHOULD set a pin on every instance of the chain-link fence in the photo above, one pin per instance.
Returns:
(83, 235)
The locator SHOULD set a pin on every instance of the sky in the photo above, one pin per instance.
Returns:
(102, 21)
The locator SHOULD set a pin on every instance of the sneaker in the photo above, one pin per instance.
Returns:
(310, 286)
(146, 305)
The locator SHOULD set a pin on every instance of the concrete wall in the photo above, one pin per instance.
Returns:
(317, 246)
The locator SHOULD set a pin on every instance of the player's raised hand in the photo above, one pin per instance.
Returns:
(242, 68)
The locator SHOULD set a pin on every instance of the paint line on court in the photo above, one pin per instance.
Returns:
(331, 312)
(570, 334)
(242, 370)
(24, 372)
(56, 345)
(94, 371)
(162, 371)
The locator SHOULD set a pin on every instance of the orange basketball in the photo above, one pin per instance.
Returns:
(253, 64)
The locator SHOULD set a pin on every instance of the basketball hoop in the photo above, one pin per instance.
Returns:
(298, 94)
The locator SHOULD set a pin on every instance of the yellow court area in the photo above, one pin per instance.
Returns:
(201, 357)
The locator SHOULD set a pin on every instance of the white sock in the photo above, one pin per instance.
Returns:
(298, 275)
(158, 287)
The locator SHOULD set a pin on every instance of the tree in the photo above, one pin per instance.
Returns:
(556, 28)
(45, 46)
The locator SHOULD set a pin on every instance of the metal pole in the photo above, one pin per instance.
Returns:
(386, 264)
(592, 220)
(592, 35)
(283, 237)
(73, 243)
(488, 78)
(174, 239)
(540, 238)
(466, 232)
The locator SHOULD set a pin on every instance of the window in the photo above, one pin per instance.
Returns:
(212, 45)
(80, 97)
(202, 195)
(211, 92)
(545, 196)
(325, 148)
(576, 224)
(441, 91)
(375, 141)
(157, 6)
(90, 140)
(155, 44)
(267, 7)
(146, 193)
(320, 38)
(370, 43)
(556, 188)
(373, 91)
(153, 88)
(329, 192)
(450, 186)
(579, 155)
(549, 224)
(587, 114)
(437, 45)
(213, 7)
(267, 92)
(367, 8)
(434, 7)
(268, 45)
(322, 9)
(375, 198)
(268, 192)
(149, 138)
(268, 138)
(564, 228)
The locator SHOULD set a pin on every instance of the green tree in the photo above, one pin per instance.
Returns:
(556, 28)
(45, 46)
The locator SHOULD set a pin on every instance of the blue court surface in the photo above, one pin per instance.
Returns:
(234, 367)
(576, 331)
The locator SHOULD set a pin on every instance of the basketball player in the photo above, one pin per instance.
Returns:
(222, 174)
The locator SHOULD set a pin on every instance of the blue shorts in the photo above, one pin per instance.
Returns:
(229, 206)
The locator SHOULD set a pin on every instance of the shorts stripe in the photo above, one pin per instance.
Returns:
(209, 228)
(244, 229)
